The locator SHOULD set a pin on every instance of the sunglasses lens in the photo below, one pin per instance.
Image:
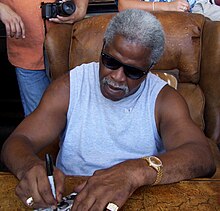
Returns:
(133, 72)
(110, 62)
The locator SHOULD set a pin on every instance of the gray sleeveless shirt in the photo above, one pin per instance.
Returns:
(99, 132)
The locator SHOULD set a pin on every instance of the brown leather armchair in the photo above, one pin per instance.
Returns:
(192, 52)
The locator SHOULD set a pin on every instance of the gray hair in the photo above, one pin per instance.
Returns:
(140, 27)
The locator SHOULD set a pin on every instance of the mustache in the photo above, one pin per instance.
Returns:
(107, 81)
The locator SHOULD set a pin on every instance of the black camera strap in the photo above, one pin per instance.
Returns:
(46, 63)
(44, 21)
(45, 26)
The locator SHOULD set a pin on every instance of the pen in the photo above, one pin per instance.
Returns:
(49, 167)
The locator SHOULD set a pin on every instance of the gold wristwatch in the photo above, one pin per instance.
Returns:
(156, 164)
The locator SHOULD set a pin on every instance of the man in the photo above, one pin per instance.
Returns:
(23, 19)
(119, 124)
(208, 8)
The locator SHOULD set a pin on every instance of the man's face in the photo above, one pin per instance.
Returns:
(114, 83)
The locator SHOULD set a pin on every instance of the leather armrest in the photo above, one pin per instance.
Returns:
(57, 48)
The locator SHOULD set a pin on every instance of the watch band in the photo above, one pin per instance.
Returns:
(159, 177)
(156, 164)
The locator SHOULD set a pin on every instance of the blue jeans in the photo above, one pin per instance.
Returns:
(32, 84)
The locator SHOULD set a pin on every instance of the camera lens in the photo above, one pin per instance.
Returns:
(68, 8)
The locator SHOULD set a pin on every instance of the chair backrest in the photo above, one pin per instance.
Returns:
(192, 50)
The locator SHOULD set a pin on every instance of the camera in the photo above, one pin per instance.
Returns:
(51, 10)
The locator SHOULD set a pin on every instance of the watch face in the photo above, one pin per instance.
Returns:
(155, 161)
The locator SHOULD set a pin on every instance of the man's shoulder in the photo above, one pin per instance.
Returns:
(84, 69)
(84, 66)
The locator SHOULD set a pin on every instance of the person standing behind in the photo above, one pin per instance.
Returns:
(27, 54)
(156, 5)
(207, 8)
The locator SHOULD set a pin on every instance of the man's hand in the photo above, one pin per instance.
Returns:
(80, 12)
(34, 183)
(179, 5)
(114, 185)
(13, 23)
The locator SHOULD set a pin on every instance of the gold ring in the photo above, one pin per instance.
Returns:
(30, 201)
(112, 207)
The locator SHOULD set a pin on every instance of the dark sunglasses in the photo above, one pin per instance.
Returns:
(130, 71)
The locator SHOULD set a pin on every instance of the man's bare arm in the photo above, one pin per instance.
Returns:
(183, 140)
(39, 129)
(35, 132)
(176, 5)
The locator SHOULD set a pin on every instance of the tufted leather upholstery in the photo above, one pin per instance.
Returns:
(192, 49)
